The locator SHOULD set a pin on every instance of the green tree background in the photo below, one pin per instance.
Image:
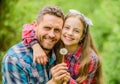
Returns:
(104, 14)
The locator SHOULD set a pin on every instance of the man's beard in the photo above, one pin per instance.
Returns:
(46, 49)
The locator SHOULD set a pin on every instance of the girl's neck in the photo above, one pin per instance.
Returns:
(71, 49)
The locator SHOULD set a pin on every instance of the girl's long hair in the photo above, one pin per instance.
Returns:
(87, 46)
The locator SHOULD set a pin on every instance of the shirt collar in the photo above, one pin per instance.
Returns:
(77, 54)
(52, 58)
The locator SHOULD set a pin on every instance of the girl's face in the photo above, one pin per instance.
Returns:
(72, 32)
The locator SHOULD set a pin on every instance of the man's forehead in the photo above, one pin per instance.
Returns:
(50, 16)
(52, 20)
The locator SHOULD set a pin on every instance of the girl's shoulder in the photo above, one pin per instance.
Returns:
(93, 55)
(94, 61)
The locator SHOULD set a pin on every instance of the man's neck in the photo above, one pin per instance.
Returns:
(46, 51)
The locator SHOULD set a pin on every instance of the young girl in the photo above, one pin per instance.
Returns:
(82, 59)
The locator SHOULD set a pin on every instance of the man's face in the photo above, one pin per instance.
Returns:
(48, 31)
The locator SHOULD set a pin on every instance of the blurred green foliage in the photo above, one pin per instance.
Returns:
(104, 14)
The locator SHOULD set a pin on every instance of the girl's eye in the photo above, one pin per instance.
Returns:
(66, 27)
(77, 31)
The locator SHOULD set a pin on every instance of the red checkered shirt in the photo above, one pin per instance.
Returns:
(28, 34)
(72, 60)
(73, 63)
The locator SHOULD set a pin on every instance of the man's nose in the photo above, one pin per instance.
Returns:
(52, 34)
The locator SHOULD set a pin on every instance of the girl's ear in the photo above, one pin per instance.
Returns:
(82, 37)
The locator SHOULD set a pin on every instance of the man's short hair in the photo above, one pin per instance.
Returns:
(52, 10)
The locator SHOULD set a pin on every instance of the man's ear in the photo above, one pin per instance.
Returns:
(35, 29)
(36, 26)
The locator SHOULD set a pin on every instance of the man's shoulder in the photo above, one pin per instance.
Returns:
(18, 50)
(19, 53)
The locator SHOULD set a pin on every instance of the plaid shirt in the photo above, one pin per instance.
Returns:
(18, 67)
(73, 63)
(28, 34)
(29, 38)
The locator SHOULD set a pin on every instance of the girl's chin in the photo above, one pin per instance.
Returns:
(67, 44)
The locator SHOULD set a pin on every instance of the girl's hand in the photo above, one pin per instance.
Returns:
(39, 55)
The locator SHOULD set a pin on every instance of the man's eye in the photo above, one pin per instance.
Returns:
(47, 28)
(57, 30)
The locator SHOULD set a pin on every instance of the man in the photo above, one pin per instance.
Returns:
(17, 64)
